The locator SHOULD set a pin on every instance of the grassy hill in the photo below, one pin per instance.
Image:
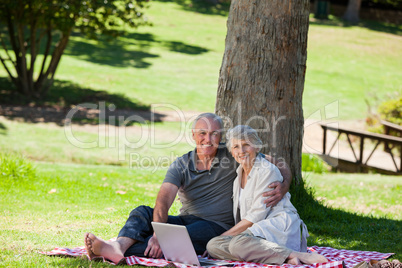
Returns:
(177, 61)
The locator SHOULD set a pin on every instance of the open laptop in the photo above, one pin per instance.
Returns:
(176, 246)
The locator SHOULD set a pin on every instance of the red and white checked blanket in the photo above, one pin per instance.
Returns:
(336, 257)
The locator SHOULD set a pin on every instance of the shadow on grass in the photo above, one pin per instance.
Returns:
(203, 6)
(3, 129)
(64, 96)
(372, 25)
(183, 48)
(146, 40)
(127, 51)
(344, 230)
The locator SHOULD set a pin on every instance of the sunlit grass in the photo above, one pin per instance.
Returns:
(57, 203)
(177, 61)
(53, 201)
(375, 194)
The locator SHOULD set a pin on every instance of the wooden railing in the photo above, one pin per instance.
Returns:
(390, 128)
(388, 141)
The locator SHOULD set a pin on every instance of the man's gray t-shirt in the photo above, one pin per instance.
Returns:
(207, 193)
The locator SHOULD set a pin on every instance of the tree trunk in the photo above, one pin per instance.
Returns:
(352, 11)
(262, 74)
(45, 81)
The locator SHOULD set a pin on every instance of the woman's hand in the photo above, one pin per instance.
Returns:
(205, 254)
(238, 228)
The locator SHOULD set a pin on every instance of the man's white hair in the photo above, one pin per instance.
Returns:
(212, 116)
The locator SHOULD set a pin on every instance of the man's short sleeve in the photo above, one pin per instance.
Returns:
(175, 173)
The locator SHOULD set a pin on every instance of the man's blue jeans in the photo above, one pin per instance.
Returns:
(138, 227)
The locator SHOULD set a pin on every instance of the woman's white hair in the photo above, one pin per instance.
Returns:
(243, 132)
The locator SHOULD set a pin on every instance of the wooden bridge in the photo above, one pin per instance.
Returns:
(369, 155)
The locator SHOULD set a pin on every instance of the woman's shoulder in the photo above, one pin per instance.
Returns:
(266, 168)
(262, 163)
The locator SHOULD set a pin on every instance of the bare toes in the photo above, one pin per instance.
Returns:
(88, 247)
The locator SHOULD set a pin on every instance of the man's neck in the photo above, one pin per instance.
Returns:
(204, 162)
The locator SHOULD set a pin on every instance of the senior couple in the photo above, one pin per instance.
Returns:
(235, 204)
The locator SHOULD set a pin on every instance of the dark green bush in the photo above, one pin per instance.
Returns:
(313, 163)
(391, 110)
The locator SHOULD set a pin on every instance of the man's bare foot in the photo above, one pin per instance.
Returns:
(88, 246)
(306, 258)
(96, 247)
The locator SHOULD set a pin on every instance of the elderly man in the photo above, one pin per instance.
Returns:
(203, 179)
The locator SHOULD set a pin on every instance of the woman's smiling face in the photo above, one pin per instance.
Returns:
(243, 152)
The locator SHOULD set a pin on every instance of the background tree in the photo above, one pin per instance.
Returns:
(39, 30)
(262, 74)
(352, 11)
(353, 8)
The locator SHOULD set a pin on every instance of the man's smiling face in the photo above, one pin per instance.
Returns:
(207, 135)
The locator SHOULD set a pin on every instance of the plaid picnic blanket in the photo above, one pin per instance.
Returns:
(338, 258)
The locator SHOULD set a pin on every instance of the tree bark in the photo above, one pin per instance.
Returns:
(352, 11)
(262, 74)
(22, 62)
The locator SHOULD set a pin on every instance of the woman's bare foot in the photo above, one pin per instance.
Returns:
(293, 261)
(96, 247)
(306, 258)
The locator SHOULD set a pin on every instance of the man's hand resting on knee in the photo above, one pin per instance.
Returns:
(153, 249)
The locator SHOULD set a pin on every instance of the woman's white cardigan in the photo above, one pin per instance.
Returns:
(280, 224)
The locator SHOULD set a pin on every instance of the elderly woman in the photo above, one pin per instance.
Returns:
(265, 235)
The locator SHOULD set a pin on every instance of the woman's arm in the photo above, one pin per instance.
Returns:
(238, 228)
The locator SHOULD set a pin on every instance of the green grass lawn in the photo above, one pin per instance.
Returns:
(359, 211)
(35, 219)
(347, 65)
(177, 61)
(376, 195)
(56, 204)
